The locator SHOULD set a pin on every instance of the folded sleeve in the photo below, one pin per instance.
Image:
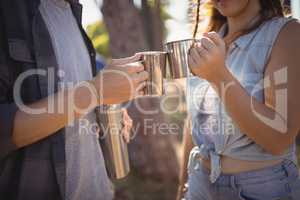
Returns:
(7, 116)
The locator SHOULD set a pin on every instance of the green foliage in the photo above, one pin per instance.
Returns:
(164, 14)
(100, 38)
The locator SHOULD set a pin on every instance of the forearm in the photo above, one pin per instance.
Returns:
(244, 111)
(67, 105)
(116, 84)
(274, 123)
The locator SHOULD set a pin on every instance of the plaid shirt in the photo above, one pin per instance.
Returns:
(36, 171)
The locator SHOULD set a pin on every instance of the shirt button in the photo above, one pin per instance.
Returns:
(232, 47)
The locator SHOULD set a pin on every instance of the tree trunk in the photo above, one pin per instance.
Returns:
(152, 150)
(153, 24)
(125, 27)
(152, 154)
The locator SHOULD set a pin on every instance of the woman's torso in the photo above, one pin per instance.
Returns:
(214, 132)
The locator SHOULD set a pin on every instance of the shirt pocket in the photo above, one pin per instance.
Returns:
(19, 51)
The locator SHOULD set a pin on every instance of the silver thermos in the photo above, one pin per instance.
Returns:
(114, 146)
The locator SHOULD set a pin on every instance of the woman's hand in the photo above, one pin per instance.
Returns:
(181, 191)
(207, 57)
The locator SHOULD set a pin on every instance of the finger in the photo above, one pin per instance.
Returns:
(202, 52)
(140, 89)
(195, 54)
(127, 118)
(127, 125)
(139, 55)
(142, 85)
(140, 77)
(215, 37)
(141, 93)
(133, 68)
(192, 62)
(207, 43)
(128, 132)
(126, 135)
(136, 57)
(125, 114)
(123, 61)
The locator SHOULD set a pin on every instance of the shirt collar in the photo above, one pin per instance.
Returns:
(243, 41)
(77, 10)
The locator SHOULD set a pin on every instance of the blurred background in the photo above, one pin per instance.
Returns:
(120, 28)
(156, 21)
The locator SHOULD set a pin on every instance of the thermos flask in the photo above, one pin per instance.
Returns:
(113, 144)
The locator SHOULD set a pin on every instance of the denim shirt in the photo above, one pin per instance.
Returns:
(213, 130)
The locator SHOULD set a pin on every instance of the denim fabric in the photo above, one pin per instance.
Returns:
(279, 182)
(214, 132)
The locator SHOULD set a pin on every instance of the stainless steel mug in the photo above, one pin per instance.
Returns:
(178, 58)
(113, 144)
(155, 65)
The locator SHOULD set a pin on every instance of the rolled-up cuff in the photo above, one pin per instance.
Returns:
(7, 117)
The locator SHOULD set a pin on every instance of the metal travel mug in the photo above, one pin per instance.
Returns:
(155, 65)
(178, 58)
(113, 144)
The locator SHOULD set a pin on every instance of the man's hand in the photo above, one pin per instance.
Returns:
(127, 125)
(124, 61)
(121, 81)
